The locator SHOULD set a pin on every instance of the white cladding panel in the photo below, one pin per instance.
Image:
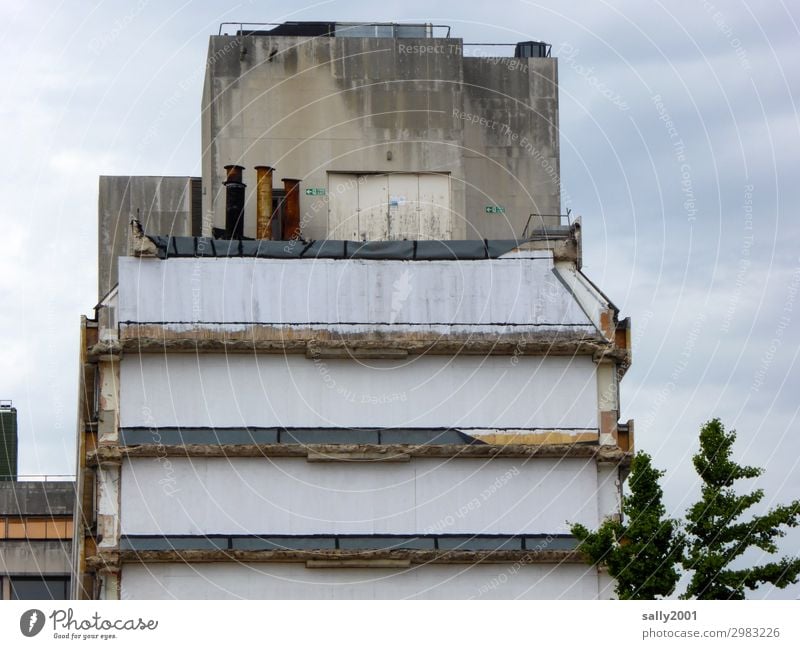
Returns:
(293, 391)
(423, 496)
(294, 581)
(512, 291)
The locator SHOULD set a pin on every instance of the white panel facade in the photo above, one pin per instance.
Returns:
(294, 581)
(425, 391)
(423, 496)
(509, 291)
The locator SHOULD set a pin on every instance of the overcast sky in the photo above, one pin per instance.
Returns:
(692, 231)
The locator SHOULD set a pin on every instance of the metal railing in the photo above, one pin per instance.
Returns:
(547, 47)
(564, 220)
(250, 25)
(46, 477)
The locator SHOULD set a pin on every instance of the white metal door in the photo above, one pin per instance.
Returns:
(434, 207)
(373, 207)
(404, 206)
(389, 206)
(343, 206)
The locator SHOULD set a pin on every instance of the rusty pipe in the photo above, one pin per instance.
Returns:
(291, 209)
(264, 202)
(234, 202)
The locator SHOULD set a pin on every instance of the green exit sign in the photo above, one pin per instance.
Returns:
(495, 209)
(315, 191)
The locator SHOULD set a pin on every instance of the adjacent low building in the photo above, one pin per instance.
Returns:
(36, 539)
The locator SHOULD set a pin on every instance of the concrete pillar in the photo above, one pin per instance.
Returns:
(110, 583)
(607, 401)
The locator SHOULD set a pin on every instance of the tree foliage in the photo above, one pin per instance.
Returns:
(716, 534)
(643, 550)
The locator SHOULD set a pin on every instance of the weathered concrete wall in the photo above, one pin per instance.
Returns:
(37, 498)
(164, 207)
(437, 391)
(35, 558)
(512, 158)
(314, 106)
(293, 581)
(423, 496)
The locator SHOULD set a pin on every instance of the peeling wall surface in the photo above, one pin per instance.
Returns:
(425, 391)
(423, 496)
(299, 291)
(294, 581)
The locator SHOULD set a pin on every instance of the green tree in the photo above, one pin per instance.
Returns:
(717, 536)
(643, 550)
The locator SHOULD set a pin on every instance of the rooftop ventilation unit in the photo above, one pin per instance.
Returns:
(531, 50)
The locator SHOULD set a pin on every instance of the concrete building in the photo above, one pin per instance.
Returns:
(391, 392)
(36, 539)
(8, 441)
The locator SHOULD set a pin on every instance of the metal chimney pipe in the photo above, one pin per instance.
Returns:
(234, 202)
(291, 209)
(264, 202)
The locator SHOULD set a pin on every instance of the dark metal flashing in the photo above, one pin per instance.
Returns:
(302, 436)
(311, 542)
(168, 247)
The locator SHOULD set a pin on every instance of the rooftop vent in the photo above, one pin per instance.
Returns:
(531, 50)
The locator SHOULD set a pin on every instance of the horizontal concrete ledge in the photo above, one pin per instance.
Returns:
(358, 456)
(355, 352)
(112, 558)
(367, 340)
(604, 454)
(359, 563)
